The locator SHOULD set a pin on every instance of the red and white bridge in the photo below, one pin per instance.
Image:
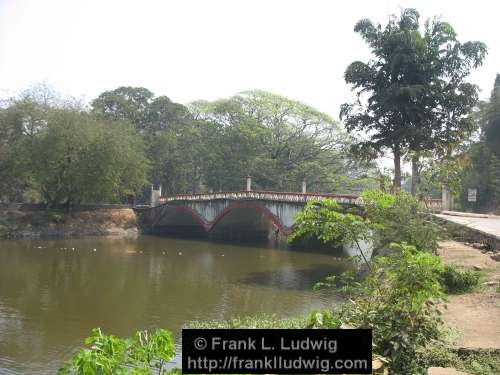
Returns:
(252, 214)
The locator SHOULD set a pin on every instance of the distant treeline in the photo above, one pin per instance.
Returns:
(61, 152)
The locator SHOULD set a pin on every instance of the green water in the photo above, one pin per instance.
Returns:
(52, 292)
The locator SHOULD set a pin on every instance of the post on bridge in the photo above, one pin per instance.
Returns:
(155, 196)
(304, 187)
(249, 183)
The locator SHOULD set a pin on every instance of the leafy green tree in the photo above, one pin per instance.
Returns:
(125, 103)
(77, 158)
(21, 120)
(278, 141)
(171, 137)
(14, 174)
(232, 142)
(52, 150)
(164, 114)
(177, 158)
(413, 96)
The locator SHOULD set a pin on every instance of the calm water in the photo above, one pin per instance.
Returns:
(53, 292)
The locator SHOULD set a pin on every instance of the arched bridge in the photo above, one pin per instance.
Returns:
(242, 214)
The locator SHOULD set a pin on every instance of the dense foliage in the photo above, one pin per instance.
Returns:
(59, 152)
(329, 222)
(413, 96)
(279, 142)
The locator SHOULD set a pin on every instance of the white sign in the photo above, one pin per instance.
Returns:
(471, 195)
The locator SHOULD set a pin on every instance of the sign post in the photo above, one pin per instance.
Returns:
(472, 196)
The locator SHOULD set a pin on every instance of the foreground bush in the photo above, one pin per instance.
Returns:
(145, 353)
(398, 301)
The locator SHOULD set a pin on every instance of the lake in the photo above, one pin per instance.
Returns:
(53, 292)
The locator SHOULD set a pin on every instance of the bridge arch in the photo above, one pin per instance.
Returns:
(179, 220)
(248, 221)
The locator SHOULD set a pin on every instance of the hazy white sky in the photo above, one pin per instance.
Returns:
(210, 49)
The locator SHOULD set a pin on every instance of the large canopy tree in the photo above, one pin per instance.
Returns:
(169, 132)
(412, 97)
(278, 141)
(215, 145)
(125, 103)
(77, 158)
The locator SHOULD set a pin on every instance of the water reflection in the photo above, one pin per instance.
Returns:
(298, 279)
(53, 292)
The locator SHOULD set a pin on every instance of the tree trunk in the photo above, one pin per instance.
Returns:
(397, 168)
(415, 174)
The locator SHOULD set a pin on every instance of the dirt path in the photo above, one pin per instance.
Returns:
(476, 315)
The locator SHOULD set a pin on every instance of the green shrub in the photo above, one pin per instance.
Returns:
(456, 281)
(145, 353)
(397, 300)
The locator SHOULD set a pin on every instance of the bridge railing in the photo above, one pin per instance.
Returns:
(261, 195)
